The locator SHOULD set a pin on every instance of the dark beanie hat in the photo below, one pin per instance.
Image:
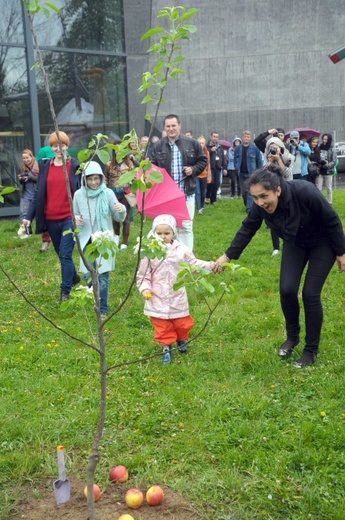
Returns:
(281, 130)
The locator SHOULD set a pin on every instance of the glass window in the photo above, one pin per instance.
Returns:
(11, 25)
(15, 122)
(89, 95)
(83, 24)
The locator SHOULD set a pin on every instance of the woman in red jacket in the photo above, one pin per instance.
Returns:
(52, 209)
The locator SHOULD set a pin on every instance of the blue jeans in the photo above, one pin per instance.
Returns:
(201, 185)
(103, 280)
(246, 195)
(63, 245)
(212, 188)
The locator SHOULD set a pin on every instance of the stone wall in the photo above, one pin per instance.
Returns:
(253, 64)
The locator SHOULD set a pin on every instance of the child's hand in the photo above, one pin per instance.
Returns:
(79, 220)
(119, 207)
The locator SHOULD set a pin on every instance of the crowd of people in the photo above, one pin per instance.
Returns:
(280, 178)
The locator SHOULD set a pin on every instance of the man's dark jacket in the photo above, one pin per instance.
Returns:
(217, 158)
(38, 204)
(192, 155)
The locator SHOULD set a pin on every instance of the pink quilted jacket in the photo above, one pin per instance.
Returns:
(159, 276)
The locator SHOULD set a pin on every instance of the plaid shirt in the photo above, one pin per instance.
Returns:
(177, 172)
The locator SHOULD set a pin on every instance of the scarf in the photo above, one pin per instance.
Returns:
(102, 205)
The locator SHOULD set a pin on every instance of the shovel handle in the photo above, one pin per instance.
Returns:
(61, 462)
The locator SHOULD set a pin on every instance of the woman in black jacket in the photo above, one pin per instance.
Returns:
(313, 238)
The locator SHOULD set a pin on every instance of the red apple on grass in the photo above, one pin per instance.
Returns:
(96, 491)
(126, 517)
(119, 474)
(154, 496)
(134, 498)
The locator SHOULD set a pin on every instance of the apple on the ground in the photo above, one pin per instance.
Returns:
(96, 491)
(119, 474)
(154, 495)
(134, 498)
(126, 517)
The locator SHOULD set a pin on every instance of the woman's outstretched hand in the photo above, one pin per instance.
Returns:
(218, 266)
(341, 263)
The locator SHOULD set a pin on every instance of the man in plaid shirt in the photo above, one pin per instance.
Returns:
(184, 160)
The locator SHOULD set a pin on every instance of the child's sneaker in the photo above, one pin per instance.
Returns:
(182, 346)
(167, 355)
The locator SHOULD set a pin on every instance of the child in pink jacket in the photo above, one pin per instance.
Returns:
(168, 309)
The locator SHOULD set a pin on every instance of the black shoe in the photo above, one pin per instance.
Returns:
(286, 349)
(64, 296)
(75, 279)
(307, 359)
(182, 346)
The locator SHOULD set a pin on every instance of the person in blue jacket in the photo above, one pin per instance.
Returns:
(301, 151)
(247, 159)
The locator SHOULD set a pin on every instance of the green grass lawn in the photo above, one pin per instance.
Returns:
(238, 432)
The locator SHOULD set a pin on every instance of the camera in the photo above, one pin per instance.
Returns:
(273, 150)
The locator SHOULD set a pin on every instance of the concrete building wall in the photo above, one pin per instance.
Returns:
(255, 64)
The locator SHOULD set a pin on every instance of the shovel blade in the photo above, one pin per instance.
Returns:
(62, 490)
(62, 486)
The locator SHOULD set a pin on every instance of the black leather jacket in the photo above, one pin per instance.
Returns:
(192, 155)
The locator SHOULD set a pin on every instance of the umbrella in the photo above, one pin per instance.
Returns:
(165, 197)
(308, 132)
(225, 144)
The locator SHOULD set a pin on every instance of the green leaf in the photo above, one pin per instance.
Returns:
(145, 165)
(103, 155)
(154, 48)
(84, 155)
(64, 305)
(188, 14)
(178, 285)
(152, 32)
(148, 117)
(8, 189)
(53, 6)
(175, 15)
(46, 12)
(190, 28)
(127, 178)
(156, 176)
(146, 99)
(209, 287)
(178, 59)
(135, 186)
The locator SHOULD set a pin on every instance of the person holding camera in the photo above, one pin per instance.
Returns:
(277, 154)
(300, 150)
(218, 167)
(261, 139)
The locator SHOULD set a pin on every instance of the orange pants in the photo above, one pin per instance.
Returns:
(169, 331)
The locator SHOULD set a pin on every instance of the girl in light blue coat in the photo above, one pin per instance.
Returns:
(95, 206)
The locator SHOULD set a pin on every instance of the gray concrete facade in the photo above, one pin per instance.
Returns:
(253, 64)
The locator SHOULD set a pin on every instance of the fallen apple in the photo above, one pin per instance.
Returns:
(134, 498)
(96, 491)
(119, 474)
(126, 517)
(154, 496)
